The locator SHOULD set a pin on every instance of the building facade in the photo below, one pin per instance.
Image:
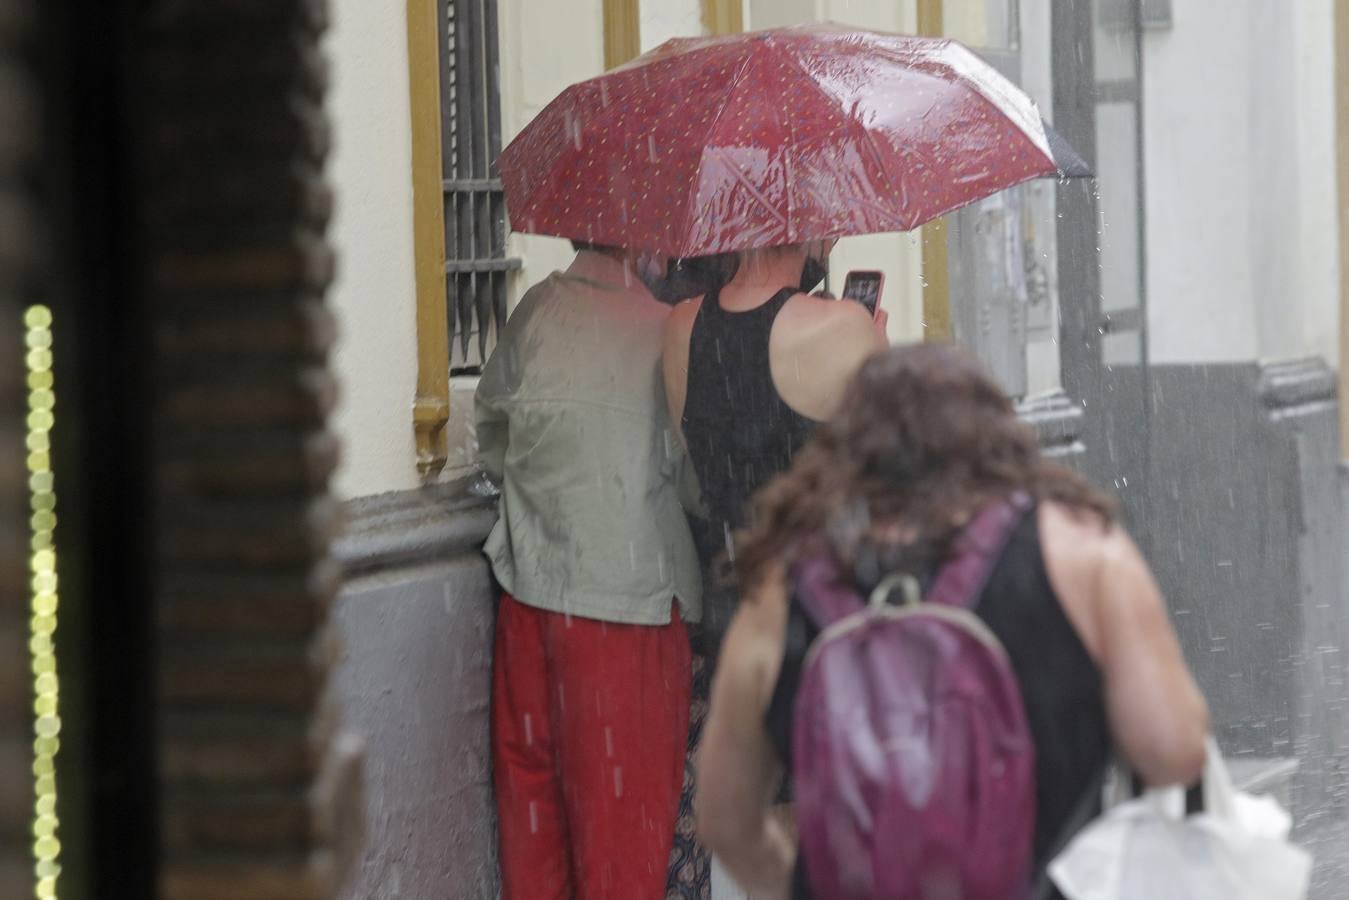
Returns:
(1173, 328)
(1164, 299)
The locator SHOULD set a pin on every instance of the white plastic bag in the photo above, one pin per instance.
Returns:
(1146, 849)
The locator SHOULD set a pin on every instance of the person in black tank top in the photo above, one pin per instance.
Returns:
(922, 440)
(741, 427)
(740, 433)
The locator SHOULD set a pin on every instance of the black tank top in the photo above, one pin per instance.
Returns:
(1060, 685)
(740, 432)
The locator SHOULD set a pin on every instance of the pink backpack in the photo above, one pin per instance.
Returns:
(913, 765)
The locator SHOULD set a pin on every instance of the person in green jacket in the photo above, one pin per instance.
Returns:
(591, 676)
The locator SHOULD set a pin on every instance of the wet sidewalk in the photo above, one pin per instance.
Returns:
(1329, 844)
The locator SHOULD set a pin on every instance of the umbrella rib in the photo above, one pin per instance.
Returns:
(731, 86)
(791, 142)
(881, 168)
(752, 188)
(852, 123)
(1019, 180)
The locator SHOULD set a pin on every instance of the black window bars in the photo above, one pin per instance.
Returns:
(476, 263)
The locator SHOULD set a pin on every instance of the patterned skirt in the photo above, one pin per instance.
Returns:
(690, 875)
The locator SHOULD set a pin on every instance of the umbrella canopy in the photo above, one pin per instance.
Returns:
(706, 145)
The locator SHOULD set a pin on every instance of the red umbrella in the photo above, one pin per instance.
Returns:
(775, 137)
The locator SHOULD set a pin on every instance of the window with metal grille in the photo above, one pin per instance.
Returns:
(476, 263)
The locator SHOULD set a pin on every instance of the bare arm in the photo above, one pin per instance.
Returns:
(686, 479)
(675, 375)
(675, 358)
(737, 766)
(1157, 715)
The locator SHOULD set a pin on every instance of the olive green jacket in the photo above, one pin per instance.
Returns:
(573, 426)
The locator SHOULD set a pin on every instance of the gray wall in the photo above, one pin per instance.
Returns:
(1244, 531)
(1221, 547)
(415, 622)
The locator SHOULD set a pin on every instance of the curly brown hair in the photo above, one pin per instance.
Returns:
(922, 438)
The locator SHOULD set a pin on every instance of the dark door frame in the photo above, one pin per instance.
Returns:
(19, 282)
(185, 146)
(1105, 391)
(106, 769)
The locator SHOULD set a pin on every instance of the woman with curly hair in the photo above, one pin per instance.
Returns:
(922, 442)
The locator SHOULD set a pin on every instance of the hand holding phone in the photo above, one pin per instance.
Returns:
(864, 287)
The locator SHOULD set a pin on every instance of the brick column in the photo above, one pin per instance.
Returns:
(260, 792)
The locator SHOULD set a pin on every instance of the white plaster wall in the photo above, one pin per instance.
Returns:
(1319, 262)
(782, 13)
(374, 295)
(1240, 196)
(545, 46)
(967, 21)
(665, 19)
(1043, 362)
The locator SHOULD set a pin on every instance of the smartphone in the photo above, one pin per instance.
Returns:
(865, 288)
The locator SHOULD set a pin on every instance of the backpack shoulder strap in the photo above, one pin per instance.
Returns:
(977, 549)
(824, 596)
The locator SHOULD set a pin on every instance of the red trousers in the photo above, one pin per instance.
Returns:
(589, 725)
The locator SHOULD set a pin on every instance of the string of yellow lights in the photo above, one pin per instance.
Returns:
(42, 505)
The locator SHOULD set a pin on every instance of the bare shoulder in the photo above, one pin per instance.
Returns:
(1077, 544)
(834, 325)
(1058, 520)
(816, 347)
(675, 354)
(1095, 568)
(679, 324)
(682, 316)
(834, 313)
(1079, 536)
